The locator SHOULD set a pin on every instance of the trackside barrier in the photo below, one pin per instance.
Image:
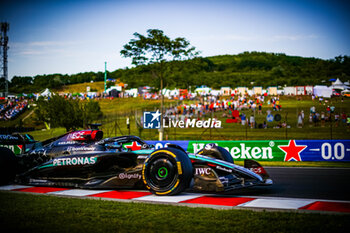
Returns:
(274, 150)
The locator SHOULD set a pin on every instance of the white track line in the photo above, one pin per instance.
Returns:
(78, 192)
(276, 204)
(14, 187)
(169, 199)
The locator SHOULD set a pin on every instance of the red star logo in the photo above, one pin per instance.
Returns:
(133, 146)
(292, 151)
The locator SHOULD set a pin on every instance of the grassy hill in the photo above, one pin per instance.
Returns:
(81, 87)
(245, 69)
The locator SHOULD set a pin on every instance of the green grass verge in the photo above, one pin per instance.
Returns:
(33, 213)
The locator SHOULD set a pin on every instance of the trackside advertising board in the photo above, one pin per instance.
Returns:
(274, 150)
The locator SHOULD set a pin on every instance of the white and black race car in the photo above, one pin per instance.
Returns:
(82, 159)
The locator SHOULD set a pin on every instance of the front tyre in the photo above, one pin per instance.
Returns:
(167, 171)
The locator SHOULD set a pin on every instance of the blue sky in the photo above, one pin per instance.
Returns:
(58, 36)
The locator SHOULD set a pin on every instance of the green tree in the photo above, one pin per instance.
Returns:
(156, 49)
(92, 111)
(68, 113)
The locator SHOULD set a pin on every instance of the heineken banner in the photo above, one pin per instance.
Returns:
(275, 150)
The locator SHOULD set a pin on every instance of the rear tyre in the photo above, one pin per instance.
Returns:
(167, 171)
(8, 165)
(216, 152)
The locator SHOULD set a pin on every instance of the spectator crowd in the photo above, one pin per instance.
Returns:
(12, 109)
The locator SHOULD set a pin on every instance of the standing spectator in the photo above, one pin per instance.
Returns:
(312, 110)
(336, 119)
(259, 109)
(302, 116)
(284, 124)
(320, 99)
(253, 106)
(315, 118)
(310, 120)
(274, 107)
(300, 120)
(323, 119)
(252, 121)
(343, 117)
(268, 112)
(243, 118)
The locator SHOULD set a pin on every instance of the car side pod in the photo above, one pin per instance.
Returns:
(167, 171)
(255, 167)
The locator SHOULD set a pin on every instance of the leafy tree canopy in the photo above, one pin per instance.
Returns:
(157, 47)
(69, 113)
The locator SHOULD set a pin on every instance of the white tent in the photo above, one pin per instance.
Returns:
(290, 90)
(339, 85)
(280, 92)
(257, 90)
(215, 92)
(203, 90)
(132, 92)
(225, 90)
(117, 88)
(46, 93)
(250, 92)
(241, 90)
(166, 92)
(174, 92)
(323, 91)
(92, 94)
(309, 90)
(272, 90)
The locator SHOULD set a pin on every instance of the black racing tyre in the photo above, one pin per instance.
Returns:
(216, 152)
(8, 165)
(167, 171)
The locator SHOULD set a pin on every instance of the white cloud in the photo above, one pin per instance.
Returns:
(294, 37)
(41, 47)
(51, 43)
(250, 38)
(228, 38)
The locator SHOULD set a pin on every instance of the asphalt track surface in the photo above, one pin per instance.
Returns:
(296, 182)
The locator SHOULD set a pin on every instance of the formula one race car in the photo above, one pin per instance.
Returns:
(82, 159)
